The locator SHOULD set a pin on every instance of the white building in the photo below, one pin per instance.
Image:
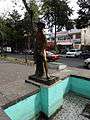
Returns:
(85, 36)
(75, 35)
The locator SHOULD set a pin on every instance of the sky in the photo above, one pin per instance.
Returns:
(7, 5)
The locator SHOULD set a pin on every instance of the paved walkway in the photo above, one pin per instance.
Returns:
(72, 108)
(13, 86)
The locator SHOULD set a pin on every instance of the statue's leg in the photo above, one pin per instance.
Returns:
(45, 65)
(36, 62)
(39, 66)
(46, 68)
(36, 72)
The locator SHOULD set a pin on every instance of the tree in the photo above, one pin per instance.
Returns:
(57, 13)
(14, 26)
(15, 30)
(31, 16)
(84, 14)
(3, 34)
(32, 10)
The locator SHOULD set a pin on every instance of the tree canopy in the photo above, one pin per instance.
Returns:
(57, 12)
(32, 9)
(13, 26)
(54, 12)
(84, 14)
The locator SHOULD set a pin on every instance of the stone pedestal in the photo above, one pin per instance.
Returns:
(51, 93)
(43, 80)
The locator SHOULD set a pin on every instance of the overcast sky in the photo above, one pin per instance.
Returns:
(7, 5)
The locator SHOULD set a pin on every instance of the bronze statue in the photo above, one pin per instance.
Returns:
(40, 53)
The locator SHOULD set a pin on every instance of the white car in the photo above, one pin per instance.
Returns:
(87, 63)
(73, 53)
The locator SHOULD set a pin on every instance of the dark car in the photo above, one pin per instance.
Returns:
(85, 54)
(51, 56)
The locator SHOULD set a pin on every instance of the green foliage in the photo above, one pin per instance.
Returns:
(56, 50)
(11, 31)
(15, 17)
(3, 34)
(57, 12)
(32, 10)
(12, 28)
(35, 9)
(84, 14)
(31, 16)
(2, 28)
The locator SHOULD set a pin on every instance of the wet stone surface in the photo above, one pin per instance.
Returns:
(72, 108)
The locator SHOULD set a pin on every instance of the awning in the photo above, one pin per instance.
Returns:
(64, 43)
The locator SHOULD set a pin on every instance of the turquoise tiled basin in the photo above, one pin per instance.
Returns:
(49, 99)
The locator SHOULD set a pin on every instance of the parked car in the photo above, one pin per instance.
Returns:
(51, 56)
(73, 53)
(85, 54)
(87, 63)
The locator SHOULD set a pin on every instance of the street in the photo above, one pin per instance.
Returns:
(71, 62)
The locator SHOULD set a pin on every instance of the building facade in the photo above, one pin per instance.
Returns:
(75, 35)
(66, 40)
(85, 38)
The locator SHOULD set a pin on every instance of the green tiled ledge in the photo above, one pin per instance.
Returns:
(50, 98)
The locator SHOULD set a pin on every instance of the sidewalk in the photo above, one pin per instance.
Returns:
(12, 85)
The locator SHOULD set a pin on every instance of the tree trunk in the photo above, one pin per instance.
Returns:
(55, 34)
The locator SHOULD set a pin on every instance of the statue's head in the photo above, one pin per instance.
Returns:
(40, 25)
